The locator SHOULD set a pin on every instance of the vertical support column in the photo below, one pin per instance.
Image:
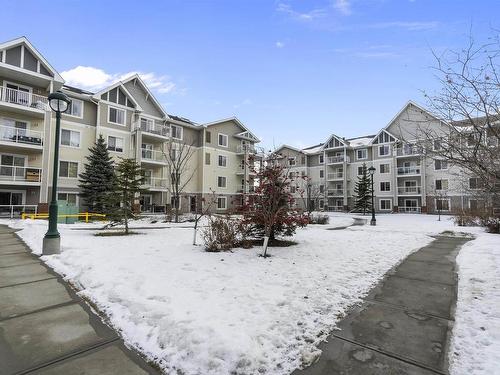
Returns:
(344, 180)
(423, 182)
(394, 172)
(46, 158)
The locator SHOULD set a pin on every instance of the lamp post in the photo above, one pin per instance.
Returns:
(59, 103)
(373, 221)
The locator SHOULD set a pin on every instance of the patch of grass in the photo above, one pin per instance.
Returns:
(115, 233)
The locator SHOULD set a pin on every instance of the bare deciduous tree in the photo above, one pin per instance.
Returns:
(178, 155)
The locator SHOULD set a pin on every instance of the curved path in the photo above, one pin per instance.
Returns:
(405, 323)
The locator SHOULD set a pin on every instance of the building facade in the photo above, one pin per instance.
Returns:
(133, 124)
(405, 178)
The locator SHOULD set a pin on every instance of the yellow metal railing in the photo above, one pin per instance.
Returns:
(84, 215)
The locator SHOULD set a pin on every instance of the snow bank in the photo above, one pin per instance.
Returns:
(475, 346)
(232, 313)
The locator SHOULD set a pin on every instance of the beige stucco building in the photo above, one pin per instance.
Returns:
(133, 124)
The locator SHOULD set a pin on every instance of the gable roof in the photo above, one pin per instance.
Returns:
(119, 84)
(27, 44)
(148, 91)
(248, 135)
(333, 136)
(289, 147)
(383, 130)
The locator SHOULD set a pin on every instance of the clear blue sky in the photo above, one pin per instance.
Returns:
(293, 71)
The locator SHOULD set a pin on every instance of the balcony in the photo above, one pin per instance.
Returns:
(246, 149)
(153, 156)
(21, 137)
(404, 171)
(337, 159)
(414, 210)
(251, 190)
(409, 190)
(154, 129)
(24, 99)
(12, 175)
(16, 210)
(335, 193)
(408, 151)
(155, 183)
(335, 176)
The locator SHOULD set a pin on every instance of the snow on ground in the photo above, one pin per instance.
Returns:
(475, 347)
(232, 313)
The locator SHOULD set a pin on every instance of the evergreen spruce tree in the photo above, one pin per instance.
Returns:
(97, 178)
(129, 179)
(363, 192)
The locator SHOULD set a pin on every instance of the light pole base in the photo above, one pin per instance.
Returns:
(51, 245)
(373, 222)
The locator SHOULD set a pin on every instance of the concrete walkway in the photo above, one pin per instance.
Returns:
(404, 325)
(46, 329)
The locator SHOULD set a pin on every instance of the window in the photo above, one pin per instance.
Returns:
(475, 183)
(208, 137)
(362, 154)
(68, 198)
(116, 116)
(441, 184)
(442, 204)
(385, 204)
(221, 203)
(68, 169)
(207, 158)
(147, 124)
(384, 150)
(440, 164)
(176, 131)
(222, 161)
(321, 204)
(223, 140)
(321, 189)
(70, 138)
(302, 160)
(115, 144)
(385, 186)
(291, 162)
(321, 159)
(75, 108)
(321, 173)
(293, 189)
(475, 204)
(436, 145)
(385, 168)
(360, 171)
(221, 181)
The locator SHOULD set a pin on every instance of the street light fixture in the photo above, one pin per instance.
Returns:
(372, 170)
(59, 103)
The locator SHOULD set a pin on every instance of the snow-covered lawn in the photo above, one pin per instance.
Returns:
(232, 313)
(475, 347)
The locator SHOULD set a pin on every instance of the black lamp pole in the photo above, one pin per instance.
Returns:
(59, 103)
(373, 220)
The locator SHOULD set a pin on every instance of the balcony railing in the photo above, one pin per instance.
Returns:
(24, 98)
(153, 155)
(335, 176)
(250, 149)
(409, 189)
(20, 174)
(12, 211)
(155, 183)
(408, 170)
(409, 209)
(337, 159)
(251, 189)
(335, 193)
(408, 151)
(157, 129)
(16, 135)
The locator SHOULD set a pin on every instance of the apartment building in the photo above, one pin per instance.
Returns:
(134, 125)
(405, 178)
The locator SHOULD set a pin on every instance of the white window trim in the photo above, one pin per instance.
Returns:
(118, 109)
(69, 146)
(224, 136)
(83, 106)
(294, 161)
(319, 159)
(182, 132)
(366, 153)
(218, 161)
(384, 145)
(477, 180)
(71, 192)
(123, 144)
(388, 167)
(385, 182)
(441, 169)
(225, 203)
(23, 193)
(380, 204)
(68, 161)
(221, 187)
(17, 84)
(441, 179)
(442, 199)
